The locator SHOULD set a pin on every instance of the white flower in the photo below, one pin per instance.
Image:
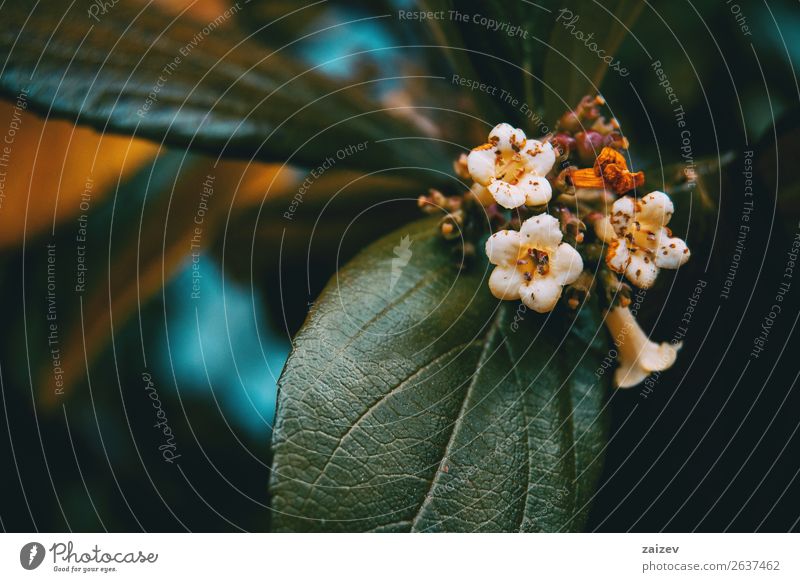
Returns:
(532, 263)
(513, 168)
(640, 244)
(638, 356)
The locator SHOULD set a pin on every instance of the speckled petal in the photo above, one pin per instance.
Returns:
(505, 282)
(541, 232)
(539, 157)
(507, 195)
(641, 270)
(654, 209)
(622, 214)
(503, 247)
(618, 256)
(566, 264)
(672, 252)
(480, 163)
(537, 189)
(541, 294)
(506, 138)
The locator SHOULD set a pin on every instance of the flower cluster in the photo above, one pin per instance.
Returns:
(542, 251)
(512, 168)
(640, 244)
(532, 264)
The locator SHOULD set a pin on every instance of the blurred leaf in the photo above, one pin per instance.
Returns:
(424, 404)
(283, 22)
(207, 87)
(142, 256)
(52, 165)
(525, 49)
(199, 10)
(775, 155)
(495, 57)
(572, 68)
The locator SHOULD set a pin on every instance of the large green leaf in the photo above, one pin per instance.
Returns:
(135, 70)
(425, 405)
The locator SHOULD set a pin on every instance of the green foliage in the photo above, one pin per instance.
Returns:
(207, 88)
(429, 406)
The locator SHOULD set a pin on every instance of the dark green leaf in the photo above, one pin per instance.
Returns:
(137, 71)
(574, 64)
(426, 405)
(506, 58)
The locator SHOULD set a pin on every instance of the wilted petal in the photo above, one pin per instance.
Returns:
(638, 356)
(652, 357)
(658, 357)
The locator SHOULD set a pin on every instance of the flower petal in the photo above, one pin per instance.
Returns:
(541, 232)
(658, 357)
(505, 282)
(539, 157)
(507, 195)
(618, 255)
(622, 213)
(629, 374)
(537, 189)
(503, 247)
(655, 210)
(480, 163)
(643, 235)
(638, 356)
(566, 264)
(506, 138)
(541, 294)
(672, 252)
(641, 269)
